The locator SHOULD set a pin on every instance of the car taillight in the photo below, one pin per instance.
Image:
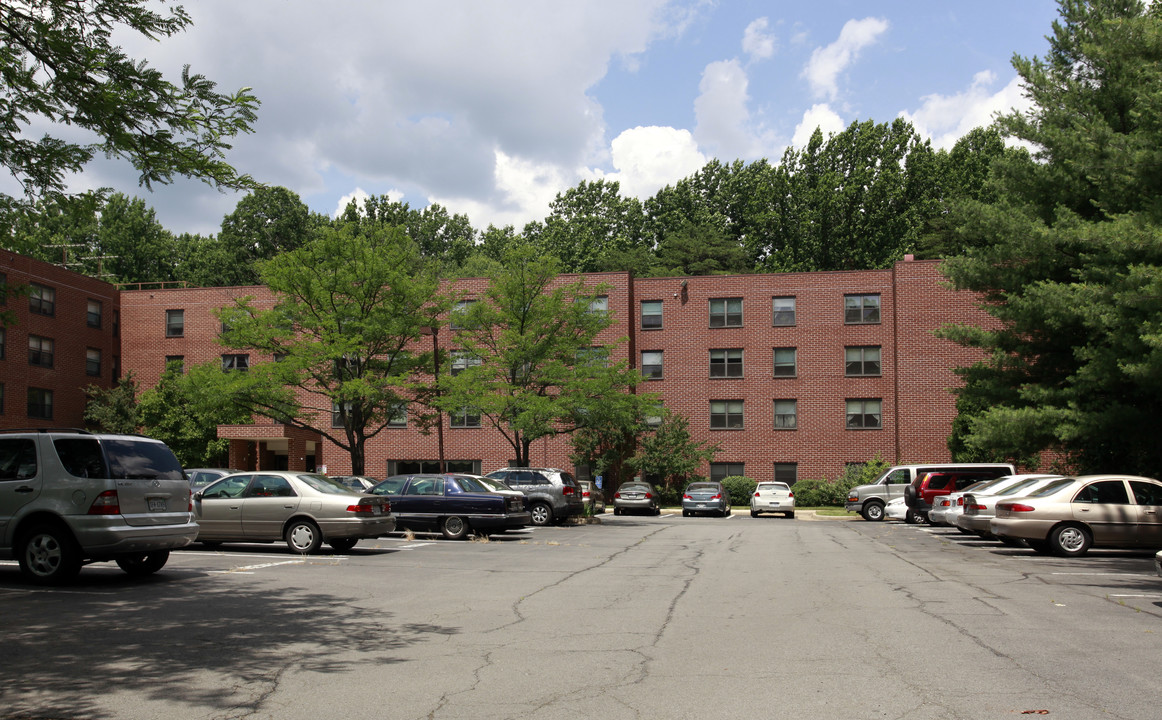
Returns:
(977, 507)
(944, 503)
(686, 497)
(790, 494)
(960, 502)
(616, 495)
(585, 494)
(1016, 507)
(106, 504)
(717, 497)
(756, 493)
(190, 507)
(567, 490)
(648, 496)
(361, 509)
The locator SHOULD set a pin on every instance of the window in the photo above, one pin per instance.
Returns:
(654, 418)
(782, 311)
(93, 314)
(652, 364)
(786, 362)
(457, 320)
(1109, 492)
(726, 312)
(461, 361)
(39, 403)
(116, 367)
(3, 289)
(3, 342)
(864, 415)
(175, 323)
(787, 473)
(862, 361)
(337, 414)
(861, 309)
(93, 362)
(1, 398)
(721, 471)
(116, 323)
(40, 350)
(726, 414)
(726, 363)
(786, 414)
(651, 314)
(177, 363)
(593, 357)
(465, 418)
(398, 416)
(235, 361)
(598, 304)
(41, 299)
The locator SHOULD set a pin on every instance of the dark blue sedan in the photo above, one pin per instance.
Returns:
(452, 503)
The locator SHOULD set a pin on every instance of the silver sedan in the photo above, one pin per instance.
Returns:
(303, 509)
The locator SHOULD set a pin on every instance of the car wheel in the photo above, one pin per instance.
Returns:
(728, 511)
(210, 543)
(1011, 542)
(1069, 540)
(791, 515)
(49, 555)
(658, 510)
(303, 536)
(754, 513)
(617, 511)
(541, 514)
(685, 513)
(342, 544)
(143, 563)
(454, 528)
(873, 512)
(912, 517)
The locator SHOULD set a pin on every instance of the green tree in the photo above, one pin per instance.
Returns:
(1069, 257)
(185, 410)
(350, 307)
(693, 250)
(113, 410)
(131, 245)
(670, 453)
(448, 239)
(587, 225)
(60, 65)
(268, 221)
(528, 359)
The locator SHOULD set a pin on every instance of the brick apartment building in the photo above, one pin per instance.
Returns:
(792, 375)
(66, 336)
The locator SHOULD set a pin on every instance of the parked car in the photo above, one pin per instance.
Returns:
(638, 497)
(593, 496)
(553, 495)
(923, 491)
(896, 509)
(358, 483)
(1095, 511)
(869, 500)
(453, 504)
(980, 506)
(946, 508)
(201, 477)
(700, 497)
(772, 497)
(70, 497)
(303, 509)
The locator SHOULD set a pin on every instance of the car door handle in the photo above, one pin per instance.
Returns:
(24, 489)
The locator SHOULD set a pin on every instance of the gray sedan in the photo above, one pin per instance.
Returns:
(705, 497)
(302, 509)
(637, 497)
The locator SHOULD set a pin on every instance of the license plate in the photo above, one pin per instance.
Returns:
(157, 504)
(702, 505)
(773, 503)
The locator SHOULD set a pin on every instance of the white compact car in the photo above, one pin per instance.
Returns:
(772, 497)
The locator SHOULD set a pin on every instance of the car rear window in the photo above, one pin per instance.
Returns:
(634, 488)
(702, 486)
(773, 486)
(1051, 488)
(324, 484)
(17, 459)
(471, 484)
(132, 459)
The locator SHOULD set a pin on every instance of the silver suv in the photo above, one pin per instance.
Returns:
(70, 497)
(552, 494)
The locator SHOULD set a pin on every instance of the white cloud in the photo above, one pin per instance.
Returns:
(649, 158)
(819, 116)
(757, 42)
(826, 63)
(947, 118)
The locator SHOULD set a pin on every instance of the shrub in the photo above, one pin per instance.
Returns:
(740, 489)
(818, 493)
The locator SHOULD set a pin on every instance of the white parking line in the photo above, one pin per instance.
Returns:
(1135, 596)
(247, 569)
(1103, 574)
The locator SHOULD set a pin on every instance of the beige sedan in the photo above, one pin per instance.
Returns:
(1095, 510)
(303, 509)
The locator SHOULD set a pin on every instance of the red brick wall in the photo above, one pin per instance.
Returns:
(71, 336)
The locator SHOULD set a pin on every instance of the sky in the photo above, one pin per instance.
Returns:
(493, 107)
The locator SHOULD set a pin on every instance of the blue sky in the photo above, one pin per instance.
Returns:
(492, 107)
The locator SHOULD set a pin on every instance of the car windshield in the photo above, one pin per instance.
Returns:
(1018, 487)
(323, 484)
(982, 485)
(1052, 488)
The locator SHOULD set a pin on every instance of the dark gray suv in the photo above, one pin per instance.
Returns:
(70, 497)
(552, 494)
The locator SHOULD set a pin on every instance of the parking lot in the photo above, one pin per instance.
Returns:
(635, 617)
